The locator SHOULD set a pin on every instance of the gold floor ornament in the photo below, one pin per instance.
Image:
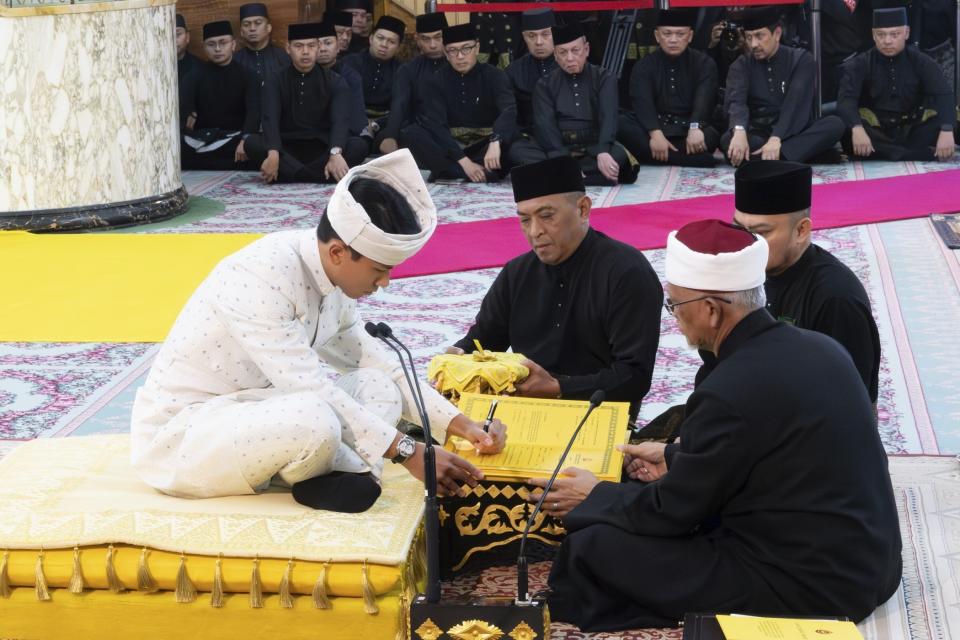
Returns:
(478, 372)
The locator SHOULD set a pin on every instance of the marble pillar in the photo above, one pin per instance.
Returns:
(88, 115)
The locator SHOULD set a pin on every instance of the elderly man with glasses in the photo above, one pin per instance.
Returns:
(469, 115)
(776, 500)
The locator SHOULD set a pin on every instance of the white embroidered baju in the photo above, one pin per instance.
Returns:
(238, 393)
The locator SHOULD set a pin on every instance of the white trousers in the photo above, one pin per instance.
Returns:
(238, 443)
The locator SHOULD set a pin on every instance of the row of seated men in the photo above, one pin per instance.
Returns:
(311, 120)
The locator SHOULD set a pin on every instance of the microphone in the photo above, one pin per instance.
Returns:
(523, 591)
(431, 524)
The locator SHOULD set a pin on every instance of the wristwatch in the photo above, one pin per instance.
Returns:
(335, 151)
(739, 127)
(406, 447)
(694, 126)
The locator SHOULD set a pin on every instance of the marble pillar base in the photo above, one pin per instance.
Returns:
(114, 214)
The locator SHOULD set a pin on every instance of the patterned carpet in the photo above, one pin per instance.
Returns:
(58, 389)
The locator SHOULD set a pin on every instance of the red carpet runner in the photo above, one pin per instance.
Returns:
(466, 246)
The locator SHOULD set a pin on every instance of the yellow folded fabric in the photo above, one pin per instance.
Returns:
(478, 372)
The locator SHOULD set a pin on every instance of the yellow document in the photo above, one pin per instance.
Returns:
(538, 432)
(756, 628)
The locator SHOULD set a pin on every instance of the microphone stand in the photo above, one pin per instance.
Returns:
(523, 591)
(431, 524)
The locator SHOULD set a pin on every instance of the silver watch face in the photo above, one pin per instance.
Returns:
(406, 446)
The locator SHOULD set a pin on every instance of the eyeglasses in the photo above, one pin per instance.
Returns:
(671, 306)
(462, 51)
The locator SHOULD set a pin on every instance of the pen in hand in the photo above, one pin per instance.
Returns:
(489, 420)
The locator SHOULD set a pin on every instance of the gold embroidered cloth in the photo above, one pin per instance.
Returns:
(478, 372)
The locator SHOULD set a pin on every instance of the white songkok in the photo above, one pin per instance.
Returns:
(710, 255)
(353, 225)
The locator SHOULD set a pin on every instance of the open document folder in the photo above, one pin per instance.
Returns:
(538, 431)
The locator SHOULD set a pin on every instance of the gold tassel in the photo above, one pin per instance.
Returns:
(76, 578)
(320, 599)
(216, 597)
(40, 581)
(186, 592)
(145, 581)
(256, 587)
(286, 599)
(369, 598)
(4, 578)
(113, 581)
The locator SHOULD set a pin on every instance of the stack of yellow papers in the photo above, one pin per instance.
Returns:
(756, 628)
(538, 432)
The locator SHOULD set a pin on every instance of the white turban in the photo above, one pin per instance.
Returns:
(710, 255)
(353, 225)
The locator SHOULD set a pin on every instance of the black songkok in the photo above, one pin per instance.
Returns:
(459, 33)
(564, 33)
(760, 18)
(326, 30)
(217, 29)
(309, 31)
(430, 22)
(890, 18)
(366, 5)
(338, 18)
(391, 24)
(546, 178)
(253, 10)
(181, 21)
(676, 18)
(773, 187)
(536, 19)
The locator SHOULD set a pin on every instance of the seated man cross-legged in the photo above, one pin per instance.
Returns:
(239, 395)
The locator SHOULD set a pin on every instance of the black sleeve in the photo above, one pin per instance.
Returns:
(936, 89)
(850, 324)
(607, 107)
(642, 92)
(271, 105)
(735, 97)
(711, 463)
(705, 96)
(853, 73)
(434, 117)
(251, 94)
(797, 108)
(631, 320)
(505, 125)
(545, 127)
(354, 61)
(358, 109)
(399, 102)
(339, 110)
(492, 325)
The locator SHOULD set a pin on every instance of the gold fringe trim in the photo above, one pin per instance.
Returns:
(216, 597)
(186, 592)
(76, 577)
(113, 580)
(4, 578)
(320, 599)
(145, 581)
(256, 586)
(286, 599)
(369, 598)
(40, 581)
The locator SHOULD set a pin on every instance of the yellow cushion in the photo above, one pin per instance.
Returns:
(95, 615)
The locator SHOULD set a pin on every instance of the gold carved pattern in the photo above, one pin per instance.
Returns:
(429, 630)
(498, 519)
(523, 631)
(475, 630)
(443, 515)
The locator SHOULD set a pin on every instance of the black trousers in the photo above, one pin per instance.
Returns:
(605, 579)
(911, 142)
(819, 137)
(430, 155)
(636, 139)
(305, 160)
(527, 151)
(217, 160)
